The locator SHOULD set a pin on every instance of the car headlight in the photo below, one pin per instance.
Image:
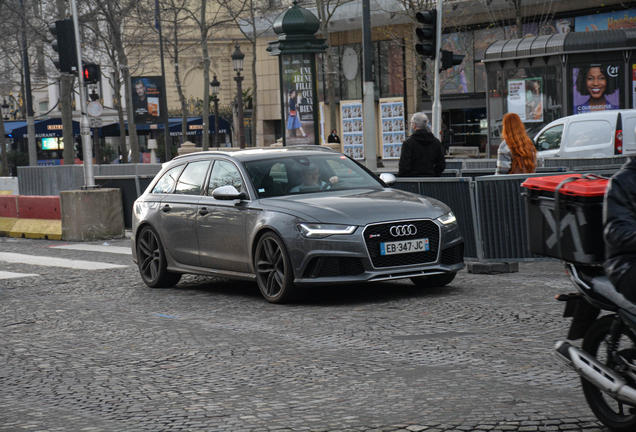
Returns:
(309, 230)
(448, 218)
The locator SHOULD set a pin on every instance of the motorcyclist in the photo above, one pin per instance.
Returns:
(619, 230)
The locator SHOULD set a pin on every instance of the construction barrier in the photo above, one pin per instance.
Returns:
(35, 217)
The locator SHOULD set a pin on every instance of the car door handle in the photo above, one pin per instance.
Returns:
(203, 211)
(166, 208)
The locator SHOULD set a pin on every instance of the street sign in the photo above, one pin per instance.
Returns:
(95, 109)
(95, 122)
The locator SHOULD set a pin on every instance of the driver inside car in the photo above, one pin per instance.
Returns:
(311, 180)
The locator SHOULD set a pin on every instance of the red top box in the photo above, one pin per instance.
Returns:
(592, 187)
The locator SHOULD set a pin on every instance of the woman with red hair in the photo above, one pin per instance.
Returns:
(516, 154)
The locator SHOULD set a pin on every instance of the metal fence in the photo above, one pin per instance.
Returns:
(51, 180)
(501, 218)
(490, 209)
(455, 193)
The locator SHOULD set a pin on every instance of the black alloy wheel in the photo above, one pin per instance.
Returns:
(152, 261)
(615, 415)
(433, 281)
(273, 269)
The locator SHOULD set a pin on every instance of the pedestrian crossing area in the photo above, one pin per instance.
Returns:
(48, 261)
(96, 248)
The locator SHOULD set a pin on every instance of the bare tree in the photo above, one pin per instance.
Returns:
(123, 32)
(4, 166)
(253, 19)
(178, 36)
(207, 23)
(326, 10)
(501, 12)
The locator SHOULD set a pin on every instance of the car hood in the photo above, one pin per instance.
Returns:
(358, 207)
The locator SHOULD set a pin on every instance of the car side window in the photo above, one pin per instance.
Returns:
(167, 181)
(225, 173)
(191, 180)
(589, 133)
(550, 139)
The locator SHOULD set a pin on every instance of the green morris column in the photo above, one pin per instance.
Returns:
(296, 49)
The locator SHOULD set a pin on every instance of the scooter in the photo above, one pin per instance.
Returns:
(606, 361)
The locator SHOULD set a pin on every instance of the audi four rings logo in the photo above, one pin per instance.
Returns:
(403, 230)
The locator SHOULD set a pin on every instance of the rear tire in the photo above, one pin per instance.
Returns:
(152, 262)
(617, 416)
(273, 268)
(432, 281)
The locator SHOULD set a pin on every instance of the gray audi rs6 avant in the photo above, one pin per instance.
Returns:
(289, 218)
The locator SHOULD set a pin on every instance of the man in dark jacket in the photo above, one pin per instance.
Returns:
(422, 153)
(619, 221)
(447, 137)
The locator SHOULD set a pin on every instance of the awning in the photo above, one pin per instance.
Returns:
(43, 129)
(10, 126)
(113, 128)
(195, 126)
(562, 43)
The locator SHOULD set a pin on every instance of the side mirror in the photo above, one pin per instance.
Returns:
(227, 193)
(387, 178)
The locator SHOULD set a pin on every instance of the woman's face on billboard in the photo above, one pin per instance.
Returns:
(596, 83)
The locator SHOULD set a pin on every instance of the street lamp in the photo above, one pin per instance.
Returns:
(5, 109)
(215, 84)
(237, 59)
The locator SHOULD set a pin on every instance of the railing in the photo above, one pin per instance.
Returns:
(490, 209)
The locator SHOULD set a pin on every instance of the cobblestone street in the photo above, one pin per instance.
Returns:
(97, 350)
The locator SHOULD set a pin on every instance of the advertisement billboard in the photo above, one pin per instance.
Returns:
(606, 21)
(525, 98)
(149, 100)
(596, 87)
(393, 131)
(299, 99)
(352, 129)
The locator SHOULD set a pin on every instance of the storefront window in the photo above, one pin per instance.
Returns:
(389, 69)
(351, 71)
(482, 40)
(323, 81)
(534, 93)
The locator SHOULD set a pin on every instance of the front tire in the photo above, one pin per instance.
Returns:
(152, 261)
(615, 415)
(274, 270)
(433, 281)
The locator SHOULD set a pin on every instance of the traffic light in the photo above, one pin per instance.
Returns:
(91, 73)
(427, 34)
(450, 59)
(79, 147)
(64, 45)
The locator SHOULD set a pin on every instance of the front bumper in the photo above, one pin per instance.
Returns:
(346, 259)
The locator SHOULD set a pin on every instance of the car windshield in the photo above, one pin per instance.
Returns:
(289, 175)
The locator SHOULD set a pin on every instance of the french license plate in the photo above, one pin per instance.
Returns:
(404, 246)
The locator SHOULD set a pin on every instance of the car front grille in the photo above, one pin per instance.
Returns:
(380, 233)
(320, 267)
(453, 255)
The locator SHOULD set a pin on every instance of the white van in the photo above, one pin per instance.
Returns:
(592, 135)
